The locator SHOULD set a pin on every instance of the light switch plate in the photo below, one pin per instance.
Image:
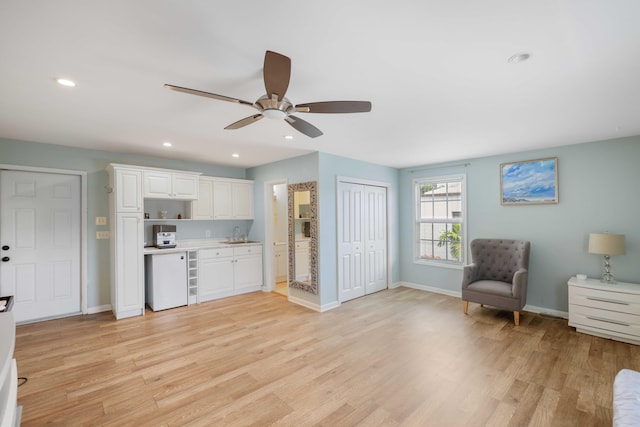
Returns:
(101, 220)
(102, 234)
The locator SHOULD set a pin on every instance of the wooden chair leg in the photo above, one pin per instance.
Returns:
(516, 318)
(465, 304)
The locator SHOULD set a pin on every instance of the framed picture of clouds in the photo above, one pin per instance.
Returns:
(529, 182)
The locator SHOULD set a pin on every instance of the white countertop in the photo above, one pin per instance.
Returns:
(192, 245)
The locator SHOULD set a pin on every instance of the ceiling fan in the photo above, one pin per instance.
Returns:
(276, 74)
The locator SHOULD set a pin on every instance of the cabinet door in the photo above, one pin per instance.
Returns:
(303, 258)
(222, 202)
(128, 190)
(202, 207)
(129, 264)
(157, 185)
(184, 187)
(248, 271)
(281, 262)
(216, 277)
(242, 195)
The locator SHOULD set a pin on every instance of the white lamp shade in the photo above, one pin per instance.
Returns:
(606, 244)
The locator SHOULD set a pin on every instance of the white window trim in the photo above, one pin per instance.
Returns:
(416, 240)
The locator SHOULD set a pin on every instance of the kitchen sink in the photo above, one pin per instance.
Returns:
(239, 242)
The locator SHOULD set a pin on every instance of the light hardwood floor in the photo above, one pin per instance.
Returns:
(398, 357)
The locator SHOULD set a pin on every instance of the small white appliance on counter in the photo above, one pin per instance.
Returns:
(166, 280)
(164, 236)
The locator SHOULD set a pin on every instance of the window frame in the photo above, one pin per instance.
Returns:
(417, 221)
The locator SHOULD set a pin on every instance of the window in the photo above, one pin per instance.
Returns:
(440, 220)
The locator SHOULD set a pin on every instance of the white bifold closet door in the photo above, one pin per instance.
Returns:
(362, 237)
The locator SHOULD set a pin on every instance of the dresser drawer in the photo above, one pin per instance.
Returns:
(621, 323)
(605, 300)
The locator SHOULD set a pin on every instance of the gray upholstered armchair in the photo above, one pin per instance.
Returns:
(498, 276)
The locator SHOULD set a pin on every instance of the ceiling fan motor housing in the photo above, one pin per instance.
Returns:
(274, 109)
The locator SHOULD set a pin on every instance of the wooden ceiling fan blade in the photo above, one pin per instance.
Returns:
(276, 73)
(246, 121)
(303, 126)
(335, 107)
(208, 95)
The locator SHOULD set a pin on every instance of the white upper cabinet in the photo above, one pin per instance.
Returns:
(160, 184)
(242, 200)
(202, 207)
(224, 199)
(128, 190)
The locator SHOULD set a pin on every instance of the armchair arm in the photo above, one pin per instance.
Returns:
(519, 284)
(469, 274)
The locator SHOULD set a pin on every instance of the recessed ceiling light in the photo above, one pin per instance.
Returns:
(288, 137)
(167, 144)
(518, 57)
(66, 82)
(235, 155)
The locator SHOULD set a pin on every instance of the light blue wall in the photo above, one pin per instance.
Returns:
(332, 167)
(294, 170)
(597, 186)
(597, 192)
(94, 162)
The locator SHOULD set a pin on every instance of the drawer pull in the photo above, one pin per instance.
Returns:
(615, 322)
(607, 300)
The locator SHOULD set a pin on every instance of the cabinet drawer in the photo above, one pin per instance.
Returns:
(605, 300)
(247, 250)
(215, 253)
(622, 323)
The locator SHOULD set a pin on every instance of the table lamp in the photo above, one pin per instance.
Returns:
(607, 245)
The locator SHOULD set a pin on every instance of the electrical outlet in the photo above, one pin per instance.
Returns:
(101, 220)
(207, 233)
(102, 234)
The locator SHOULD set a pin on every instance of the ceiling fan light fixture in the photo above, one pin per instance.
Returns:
(518, 57)
(274, 113)
(65, 82)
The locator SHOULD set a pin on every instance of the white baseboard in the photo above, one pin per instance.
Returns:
(428, 288)
(312, 306)
(304, 303)
(99, 309)
(330, 306)
(458, 294)
(546, 311)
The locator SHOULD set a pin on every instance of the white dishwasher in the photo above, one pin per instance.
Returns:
(166, 277)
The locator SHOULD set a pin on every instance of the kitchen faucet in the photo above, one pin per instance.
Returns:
(236, 233)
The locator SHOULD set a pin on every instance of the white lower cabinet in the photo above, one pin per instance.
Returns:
(128, 270)
(303, 259)
(228, 271)
(280, 261)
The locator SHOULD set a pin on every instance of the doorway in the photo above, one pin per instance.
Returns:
(362, 238)
(41, 236)
(276, 236)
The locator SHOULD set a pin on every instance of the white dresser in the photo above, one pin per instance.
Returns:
(605, 310)
(10, 413)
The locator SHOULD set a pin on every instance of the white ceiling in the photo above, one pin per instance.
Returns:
(436, 73)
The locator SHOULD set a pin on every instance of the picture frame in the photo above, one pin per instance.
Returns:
(529, 182)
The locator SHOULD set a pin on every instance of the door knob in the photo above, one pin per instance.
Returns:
(5, 258)
(5, 248)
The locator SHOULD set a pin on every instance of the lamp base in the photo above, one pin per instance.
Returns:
(607, 276)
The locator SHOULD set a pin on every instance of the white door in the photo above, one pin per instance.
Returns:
(40, 224)
(376, 239)
(351, 251)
